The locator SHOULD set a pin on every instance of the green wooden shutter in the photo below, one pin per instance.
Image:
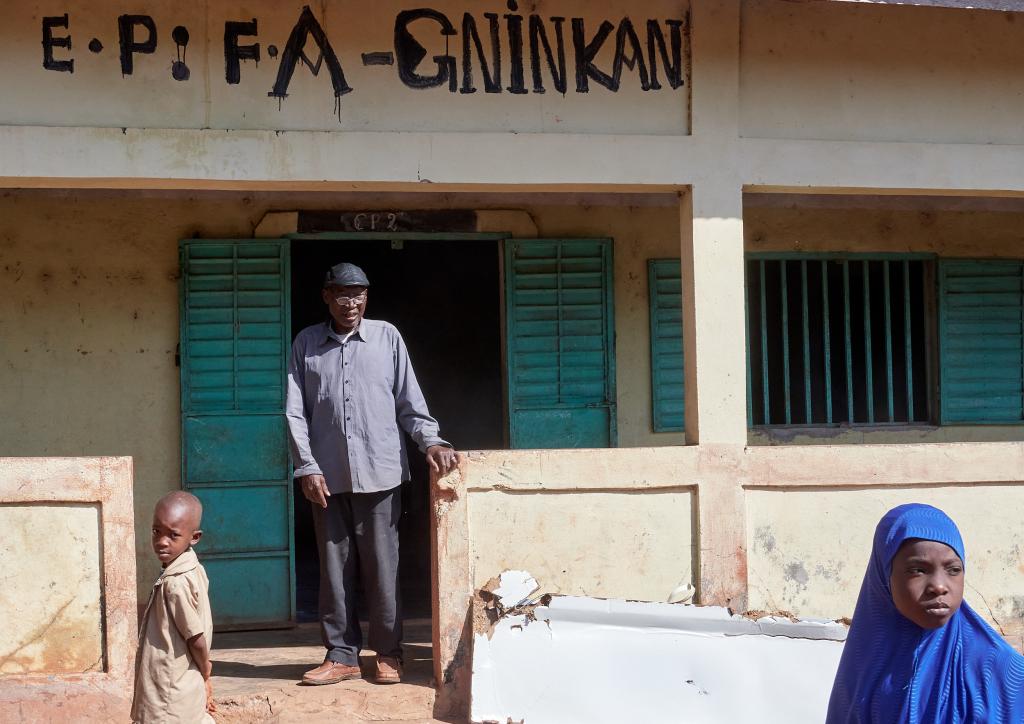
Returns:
(234, 343)
(664, 285)
(981, 307)
(560, 331)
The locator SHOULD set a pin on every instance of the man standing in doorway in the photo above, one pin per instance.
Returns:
(351, 387)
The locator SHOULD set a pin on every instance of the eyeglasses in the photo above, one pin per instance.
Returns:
(346, 300)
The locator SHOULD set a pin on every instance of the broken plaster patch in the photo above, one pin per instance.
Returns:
(506, 596)
(514, 588)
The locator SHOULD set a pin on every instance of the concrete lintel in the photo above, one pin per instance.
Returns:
(514, 222)
(247, 160)
(425, 160)
(872, 167)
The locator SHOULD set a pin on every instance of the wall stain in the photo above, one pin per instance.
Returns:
(1017, 606)
(830, 571)
(797, 573)
(764, 537)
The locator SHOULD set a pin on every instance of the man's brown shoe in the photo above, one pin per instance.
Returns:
(330, 672)
(389, 670)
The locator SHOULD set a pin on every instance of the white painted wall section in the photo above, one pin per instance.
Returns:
(594, 660)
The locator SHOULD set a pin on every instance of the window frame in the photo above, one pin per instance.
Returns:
(930, 331)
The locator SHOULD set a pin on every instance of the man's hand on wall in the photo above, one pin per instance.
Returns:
(314, 487)
(441, 459)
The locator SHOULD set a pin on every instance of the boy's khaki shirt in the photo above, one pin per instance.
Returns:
(169, 687)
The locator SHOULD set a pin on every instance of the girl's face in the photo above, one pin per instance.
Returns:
(927, 582)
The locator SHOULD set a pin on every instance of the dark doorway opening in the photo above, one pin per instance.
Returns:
(444, 297)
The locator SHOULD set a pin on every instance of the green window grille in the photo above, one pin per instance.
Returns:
(836, 339)
(981, 341)
(664, 286)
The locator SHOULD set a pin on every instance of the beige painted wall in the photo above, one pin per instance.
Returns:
(785, 226)
(847, 71)
(378, 101)
(89, 322)
(89, 319)
(50, 589)
(614, 524)
(610, 544)
(808, 550)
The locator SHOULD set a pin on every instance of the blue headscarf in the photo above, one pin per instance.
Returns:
(892, 671)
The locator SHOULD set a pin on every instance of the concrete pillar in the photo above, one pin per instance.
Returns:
(711, 227)
(714, 334)
(714, 339)
(714, 329)
(451, 593)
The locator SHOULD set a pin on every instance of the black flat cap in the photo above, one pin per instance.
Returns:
(346, 275)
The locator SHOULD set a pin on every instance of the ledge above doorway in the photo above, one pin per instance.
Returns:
(513, 222)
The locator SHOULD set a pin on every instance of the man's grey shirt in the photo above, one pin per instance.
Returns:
(345, 403)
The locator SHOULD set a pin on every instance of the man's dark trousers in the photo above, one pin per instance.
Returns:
(357, 536)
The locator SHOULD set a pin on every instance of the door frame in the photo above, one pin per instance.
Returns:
(502, 237)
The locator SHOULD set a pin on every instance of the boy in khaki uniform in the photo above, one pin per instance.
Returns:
(172, 666)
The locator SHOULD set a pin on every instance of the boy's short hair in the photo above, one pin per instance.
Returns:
(188, 504)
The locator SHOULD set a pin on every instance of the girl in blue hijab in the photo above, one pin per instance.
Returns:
(916, 653)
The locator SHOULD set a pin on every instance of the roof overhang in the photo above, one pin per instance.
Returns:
(1005, 5)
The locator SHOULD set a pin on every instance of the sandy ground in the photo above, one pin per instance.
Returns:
(256, 677)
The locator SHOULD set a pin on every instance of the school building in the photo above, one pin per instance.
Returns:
(702, 288)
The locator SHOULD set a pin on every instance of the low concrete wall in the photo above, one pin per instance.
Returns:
(583, 523)
(808, 549)
(67, 589)
(764, 527)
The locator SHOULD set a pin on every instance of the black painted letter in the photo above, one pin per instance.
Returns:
(294, 51)
(492, 80)
(50, 42)
(129, 46)
(409, 52)
(517, 84)
(635, 59)
(673, 65)
(538, 37)
(234, 53)
(585, 54)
